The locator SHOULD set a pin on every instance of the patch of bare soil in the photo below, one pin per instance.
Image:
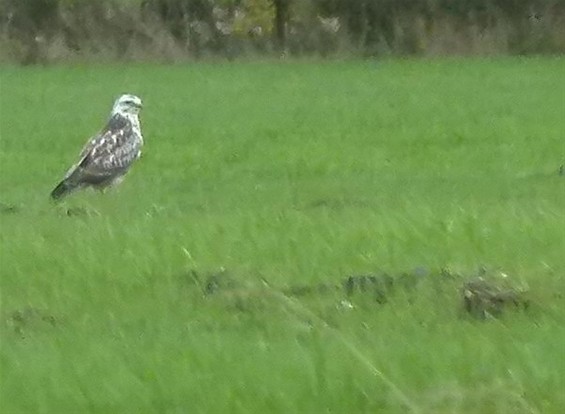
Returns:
(482, 294)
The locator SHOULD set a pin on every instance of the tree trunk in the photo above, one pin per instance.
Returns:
(281, 18)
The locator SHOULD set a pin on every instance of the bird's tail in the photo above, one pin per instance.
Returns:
(63, 189)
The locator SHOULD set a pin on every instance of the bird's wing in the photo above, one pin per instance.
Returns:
(109, 153)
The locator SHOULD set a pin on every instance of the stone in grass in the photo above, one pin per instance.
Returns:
(484, 299)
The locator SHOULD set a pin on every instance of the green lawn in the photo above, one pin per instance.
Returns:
(285, 175)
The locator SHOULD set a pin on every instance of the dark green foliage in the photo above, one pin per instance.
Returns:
(177, 16)
(46, 30)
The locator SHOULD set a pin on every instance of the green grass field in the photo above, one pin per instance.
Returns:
(285, 175)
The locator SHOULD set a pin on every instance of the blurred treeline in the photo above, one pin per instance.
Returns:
(42, 31)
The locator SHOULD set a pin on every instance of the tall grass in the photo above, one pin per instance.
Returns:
(284, 175)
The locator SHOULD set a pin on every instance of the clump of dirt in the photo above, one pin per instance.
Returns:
(220, 286)
(8, 208)
(377, 285)
(483, 295)
(337, 204)
(80, 212)
(382, 285)
(309, 290)
(29, 318)
(213, 282)
(484, 298)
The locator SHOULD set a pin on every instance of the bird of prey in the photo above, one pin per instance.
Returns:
(107, 157)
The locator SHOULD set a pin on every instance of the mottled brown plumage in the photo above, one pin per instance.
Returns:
(107, 157)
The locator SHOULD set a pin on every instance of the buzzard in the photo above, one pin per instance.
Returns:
(107, 157)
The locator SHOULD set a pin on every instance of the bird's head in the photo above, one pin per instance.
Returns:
(127, 104)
